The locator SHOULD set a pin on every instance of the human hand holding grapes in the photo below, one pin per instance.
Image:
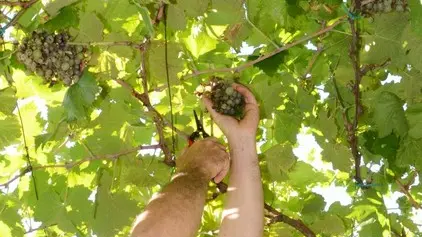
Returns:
(235, 129)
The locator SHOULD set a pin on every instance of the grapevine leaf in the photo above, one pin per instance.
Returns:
(389, 115)
(225, 12)
(200, 44)
(118, 207)
(53, 8)
(7, 100)
(176, 18)
(314, 204)
(329, 224)
(265, 91)
(339, 155)
(415, 16)
(67, 17)
(386, 146)
(90, 28)
(279, 159)
(31, 15)
(387, 32)
(157, 62)
(286, 126)
(194, 8)
(270, 65)
(79, 97)
(147, 21)
(410, 152)
(414, 116)
(11, 130)
(303, 175)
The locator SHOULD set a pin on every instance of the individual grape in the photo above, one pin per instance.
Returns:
(28, 52)
(37, 54)
(400, 8)
(50, 39)
(65, 66)
(79, 49)
(229, 90)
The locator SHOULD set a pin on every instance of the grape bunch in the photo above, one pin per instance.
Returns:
(385, 6)
(52, 58)
(227, 100)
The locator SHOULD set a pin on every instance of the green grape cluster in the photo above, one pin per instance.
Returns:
(51, 57)
(227, 100)
(385, 6)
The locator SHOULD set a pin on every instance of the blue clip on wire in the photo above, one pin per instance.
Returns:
(351, 15)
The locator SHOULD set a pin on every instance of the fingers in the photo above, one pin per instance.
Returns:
(208, 104)
(249, 97)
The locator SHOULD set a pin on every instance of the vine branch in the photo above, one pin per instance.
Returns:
(13, 4)
(28, 158)
(14, 20)
(269, 55)
(275, 216)
(71, 165)
(137, 45)
(297, 224)
(404, 189)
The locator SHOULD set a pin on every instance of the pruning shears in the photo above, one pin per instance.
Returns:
(199, 131)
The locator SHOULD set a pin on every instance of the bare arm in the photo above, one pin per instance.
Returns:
(177, 210)
(243, 214)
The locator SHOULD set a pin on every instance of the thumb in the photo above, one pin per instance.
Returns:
(214, 114)
(220, 176)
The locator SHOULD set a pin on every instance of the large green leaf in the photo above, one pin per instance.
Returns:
(7, 100)
(389, 115)
(90, 28)
(10, 131)
(79, 97)
(410, 152)
(338, 154)
(279, 160)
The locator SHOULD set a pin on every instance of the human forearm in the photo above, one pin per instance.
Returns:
(179, 204)
(244, 212)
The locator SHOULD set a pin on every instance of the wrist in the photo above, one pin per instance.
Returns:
(242, 144)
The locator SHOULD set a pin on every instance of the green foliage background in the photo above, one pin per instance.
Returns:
(88, 177)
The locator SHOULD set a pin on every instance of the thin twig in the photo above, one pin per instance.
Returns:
(409, 196)
(42, 227)
(71, 165)
(312, 62)
(275, 52)
(370, 67)
(28, 159)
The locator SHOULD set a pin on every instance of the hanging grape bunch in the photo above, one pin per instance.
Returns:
(51, 57)
(385, 6)
(226, 100)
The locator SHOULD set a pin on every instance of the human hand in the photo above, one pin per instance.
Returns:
(207, 157)
(233, 128)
